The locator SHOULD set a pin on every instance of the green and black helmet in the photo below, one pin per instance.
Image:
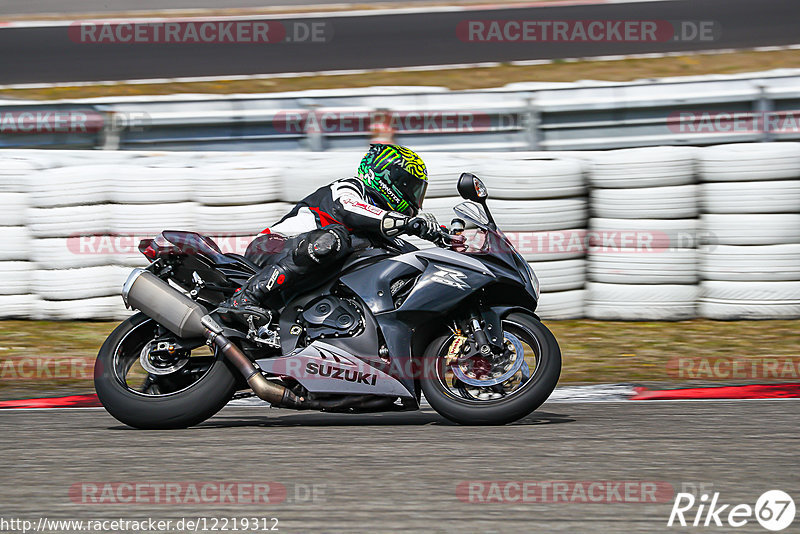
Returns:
(397, 175)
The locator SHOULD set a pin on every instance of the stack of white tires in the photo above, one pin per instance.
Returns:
(750, 263)
(540, 204)
(16, 299)
(642, 246)
(238, 201)
(70, 219)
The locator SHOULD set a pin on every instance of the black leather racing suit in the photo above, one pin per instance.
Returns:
(315, 235)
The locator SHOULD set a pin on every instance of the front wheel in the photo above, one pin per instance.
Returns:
(145, 386)
(495, 390)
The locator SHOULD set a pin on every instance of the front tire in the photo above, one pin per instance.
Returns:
(182, 408)
(529, 396)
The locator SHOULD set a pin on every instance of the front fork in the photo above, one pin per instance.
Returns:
(486, 328)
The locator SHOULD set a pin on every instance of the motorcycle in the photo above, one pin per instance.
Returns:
(456, 322)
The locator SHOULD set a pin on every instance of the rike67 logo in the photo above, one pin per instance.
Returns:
(774, 510)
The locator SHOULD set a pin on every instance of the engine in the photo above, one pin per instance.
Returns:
(331, 316)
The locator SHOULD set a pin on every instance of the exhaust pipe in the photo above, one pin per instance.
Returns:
(273, 393)
(170, 308)
(186, 318)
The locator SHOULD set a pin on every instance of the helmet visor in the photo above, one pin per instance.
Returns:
(411, 188)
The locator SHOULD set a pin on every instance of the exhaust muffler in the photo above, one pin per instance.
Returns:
(186, 318)
(157, 299)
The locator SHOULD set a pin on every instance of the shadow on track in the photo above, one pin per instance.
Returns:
(316, 419)
(418, 418)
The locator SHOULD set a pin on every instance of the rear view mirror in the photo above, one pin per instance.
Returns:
(471, 188)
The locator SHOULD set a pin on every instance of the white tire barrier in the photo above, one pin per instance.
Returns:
(751, 263)
(100, 308)
(673, 202)
(149, 185)
(302, 176)
(779, 196)
(13, 208)
(239, 220)
(539, 215)
(751, 229)
(60, 221)
(750, 161)
(629, 302)
(72, 186)
(561, 305)
(18, 306)
(549, 246)
(560, 275)
(15, 277)
(14, 173)
(442, 208)
(87, 282)
(49, 158)
(230, 187)
(520, 215)
(143, 219)
(443, 173)
(643, 167)
(533, 178)
(636, 266)
(70, 221)
(610, 235)
(15, 243)
(73, 252)
(750, 300)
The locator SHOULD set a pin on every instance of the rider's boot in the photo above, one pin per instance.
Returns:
(249, 300)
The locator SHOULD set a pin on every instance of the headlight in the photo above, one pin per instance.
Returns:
(534, 279)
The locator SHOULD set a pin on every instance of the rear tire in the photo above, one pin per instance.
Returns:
(507, 409)
(182, 409)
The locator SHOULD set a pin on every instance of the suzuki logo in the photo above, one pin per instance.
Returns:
(450, 277)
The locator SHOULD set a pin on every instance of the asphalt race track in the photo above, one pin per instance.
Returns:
(46, 54)
(399, 472)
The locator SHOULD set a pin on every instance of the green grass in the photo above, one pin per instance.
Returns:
(594, 351)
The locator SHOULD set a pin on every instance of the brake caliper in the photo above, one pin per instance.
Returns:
(455, 349)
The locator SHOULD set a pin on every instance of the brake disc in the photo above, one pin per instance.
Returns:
(150, 367)
(517, 362)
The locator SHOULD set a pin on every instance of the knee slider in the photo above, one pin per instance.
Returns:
(320, 246)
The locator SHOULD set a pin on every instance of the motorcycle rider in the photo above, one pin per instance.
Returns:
(383, 201)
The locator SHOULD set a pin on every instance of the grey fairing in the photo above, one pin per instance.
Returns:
(372, 285)
(325, 368)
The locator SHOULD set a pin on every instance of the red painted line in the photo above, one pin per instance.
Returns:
(72, 401)
(757, 391)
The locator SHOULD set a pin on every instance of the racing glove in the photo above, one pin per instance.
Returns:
(424, 225)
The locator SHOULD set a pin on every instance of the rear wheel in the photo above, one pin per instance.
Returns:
(144, 387)
(478, 390)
